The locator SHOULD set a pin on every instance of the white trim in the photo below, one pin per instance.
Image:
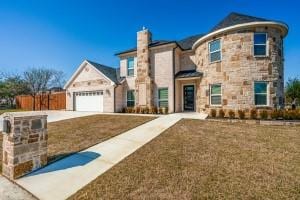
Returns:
(217, 105)
(266, 44)
(267, 94)
(284, 28)
(127, 96)
(182, 95)
(158, 100)
(220, 50)
(132, 68)
(79, 69)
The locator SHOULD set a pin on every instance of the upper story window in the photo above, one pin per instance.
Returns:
(260, 44)
(130, 98)
(215, 50)
(130, 66)
(216, 95)
(280, 51)
(261, 93)
(163, 97)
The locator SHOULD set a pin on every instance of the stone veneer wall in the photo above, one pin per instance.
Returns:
(239, 69)
(143, 82)
(25, 146)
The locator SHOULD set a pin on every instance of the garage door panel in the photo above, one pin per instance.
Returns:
(89, 101)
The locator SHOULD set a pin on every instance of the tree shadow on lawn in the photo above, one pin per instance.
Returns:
(73, 160)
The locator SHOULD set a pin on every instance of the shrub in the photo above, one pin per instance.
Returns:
(160, 111)
(241, 114)
(253, 114)
(291, 115)
(276, 114)
(221, 113)
(123, 110)
(263, 114)
(298, 114)
(213, 113)
(164, 110)
(231, 114)
(146, 110)
(152, 110)
(137, 110)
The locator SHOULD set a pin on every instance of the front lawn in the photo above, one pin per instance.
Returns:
(73, 135)
(207, 160)
(10, 110)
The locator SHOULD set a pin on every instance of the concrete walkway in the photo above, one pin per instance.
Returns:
(63, 178)
(11, 191)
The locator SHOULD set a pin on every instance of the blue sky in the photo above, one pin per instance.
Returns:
(61, 34)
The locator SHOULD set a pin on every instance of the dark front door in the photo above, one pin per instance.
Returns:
(188, 98)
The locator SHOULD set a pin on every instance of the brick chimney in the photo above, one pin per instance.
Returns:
(143, 79)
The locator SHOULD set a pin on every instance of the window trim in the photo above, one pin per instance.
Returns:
(267, 93)
(158, 98)
(266, 44)
(220, 50)
(130, 100)
(210, 94)
(131, 68)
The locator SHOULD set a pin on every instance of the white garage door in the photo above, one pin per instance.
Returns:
(88, 101)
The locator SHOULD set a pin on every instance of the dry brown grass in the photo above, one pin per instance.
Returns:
(207, 160)
(73, 135)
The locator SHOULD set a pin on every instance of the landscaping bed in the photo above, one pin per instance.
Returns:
(72, 135)
(207, 160)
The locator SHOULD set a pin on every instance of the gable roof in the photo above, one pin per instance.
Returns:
(187, 43)
(112, 73)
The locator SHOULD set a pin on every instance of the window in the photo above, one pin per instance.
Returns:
(261, 94)
(163, 97)
(130, 98)
(260, 44)
(280, 50)
(215, 50)
(130, 66)
(215, 95)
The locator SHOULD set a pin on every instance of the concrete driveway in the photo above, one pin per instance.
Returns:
(54, 115)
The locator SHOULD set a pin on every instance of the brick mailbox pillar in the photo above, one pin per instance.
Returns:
(24, 143)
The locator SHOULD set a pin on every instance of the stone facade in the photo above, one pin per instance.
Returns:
(239, 68)
(24, 144)
(174, 64)
(236, 72)
(143, 81)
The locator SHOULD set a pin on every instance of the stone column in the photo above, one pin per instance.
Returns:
(24, 143)
(144, 83)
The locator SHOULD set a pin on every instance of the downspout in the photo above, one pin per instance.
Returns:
(115, 97)
(174, 88)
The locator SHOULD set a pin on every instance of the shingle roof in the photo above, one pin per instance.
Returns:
(112, 73)
(152, 44)
(236, 18)
(188, 42)
(188, 74)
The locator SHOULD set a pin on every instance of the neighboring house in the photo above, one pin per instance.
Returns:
(236, 65)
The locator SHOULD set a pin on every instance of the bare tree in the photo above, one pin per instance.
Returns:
(39, 80)
(58, 79)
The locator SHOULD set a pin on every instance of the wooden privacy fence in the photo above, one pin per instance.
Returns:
(47, 101)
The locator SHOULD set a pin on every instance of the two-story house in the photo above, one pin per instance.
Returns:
(238, 64)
